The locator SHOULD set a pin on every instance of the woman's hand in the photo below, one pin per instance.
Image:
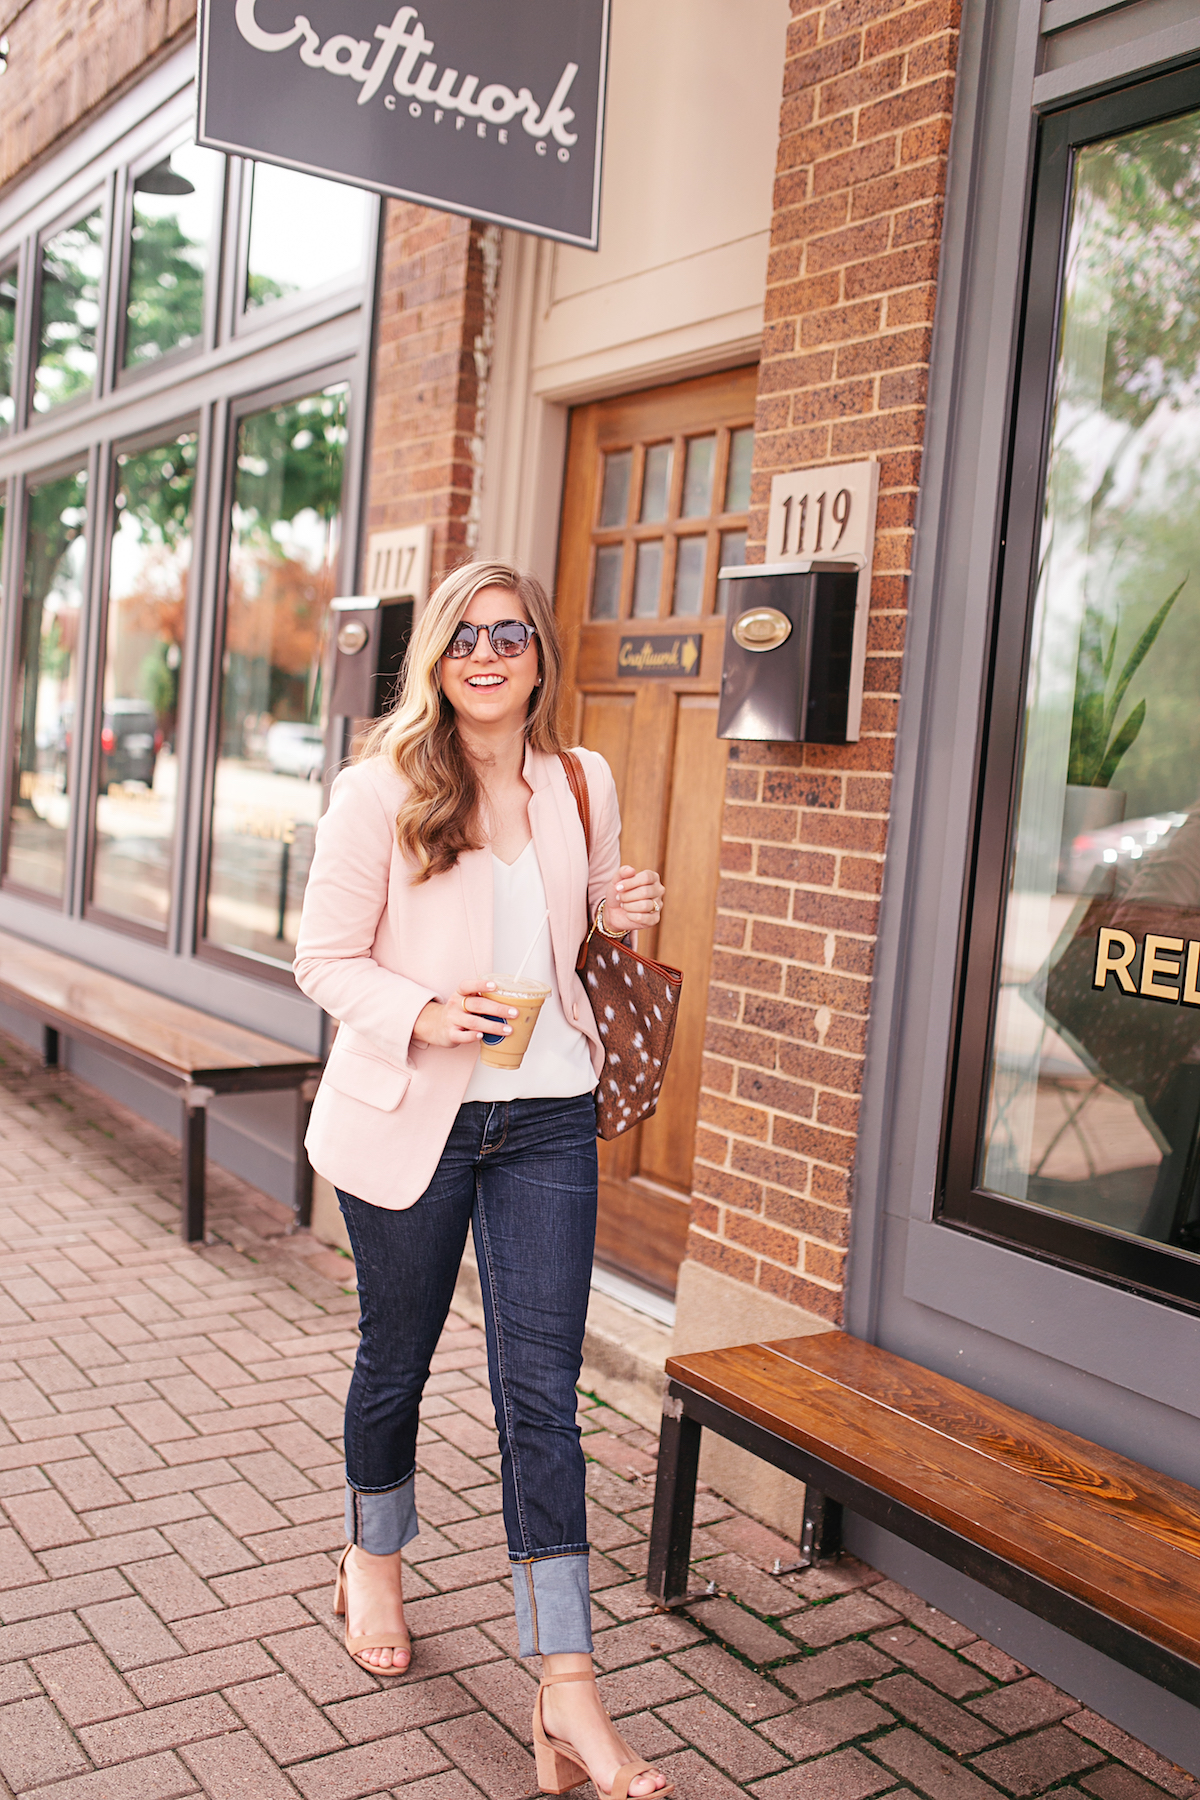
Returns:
(446, 1023)
(634, 900)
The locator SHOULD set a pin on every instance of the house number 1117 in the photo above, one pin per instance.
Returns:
(839, 516)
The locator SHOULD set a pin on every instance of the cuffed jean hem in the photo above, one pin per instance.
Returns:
(383, 1523)
(553, 1604)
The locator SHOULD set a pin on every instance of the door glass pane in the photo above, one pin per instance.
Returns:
(283, 549)
(614, 495)
(174, 214)
(8, 344)
(138, 768)
(70, 312)
(737, 478)
(689, 576)
(46, 693)
(656, 483)
(606, 581)
(698, 477)
(733, 556)
(1094, 1097)
(647, 579)
(303, 233)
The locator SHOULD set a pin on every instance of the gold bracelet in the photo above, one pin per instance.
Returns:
(602, 927)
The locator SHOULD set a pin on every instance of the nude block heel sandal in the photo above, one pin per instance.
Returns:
(559, 1768)
(355, 1645)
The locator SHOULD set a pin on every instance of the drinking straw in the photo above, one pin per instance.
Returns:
(533, 940)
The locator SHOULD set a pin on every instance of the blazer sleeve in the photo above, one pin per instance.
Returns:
(605, 858)
(344, 901)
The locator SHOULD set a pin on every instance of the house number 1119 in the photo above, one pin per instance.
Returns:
(839, 514)
(823, 512)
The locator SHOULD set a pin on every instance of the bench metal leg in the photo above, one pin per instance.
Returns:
(820, 1533)
(195, 1122)
(49, 1047)
(674, 1506)
(302, 1174)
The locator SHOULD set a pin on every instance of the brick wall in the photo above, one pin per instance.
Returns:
(864, 132)
(67, 57)
(438, 277)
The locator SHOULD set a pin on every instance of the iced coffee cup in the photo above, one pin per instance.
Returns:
(498, 1051)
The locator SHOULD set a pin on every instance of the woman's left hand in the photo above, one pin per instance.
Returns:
(634, 900)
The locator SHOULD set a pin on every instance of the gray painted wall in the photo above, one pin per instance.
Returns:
(1115, 1368)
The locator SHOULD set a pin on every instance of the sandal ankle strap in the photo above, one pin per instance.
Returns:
(575, 1675)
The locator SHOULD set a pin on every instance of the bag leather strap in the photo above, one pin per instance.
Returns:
(577, 781)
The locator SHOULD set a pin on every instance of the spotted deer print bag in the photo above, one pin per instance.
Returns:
(634, 1000)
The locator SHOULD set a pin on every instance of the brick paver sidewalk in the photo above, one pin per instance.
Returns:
(170, 1473)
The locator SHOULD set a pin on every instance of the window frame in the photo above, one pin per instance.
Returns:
(109, 452)
(296, 387)
(1155, 1270)
(99, 199)
(243, 320)
(78, 764)
(122, 262)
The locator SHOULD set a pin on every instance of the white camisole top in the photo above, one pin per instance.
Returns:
(558, 1062)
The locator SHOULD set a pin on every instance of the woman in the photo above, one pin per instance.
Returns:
(449, 846)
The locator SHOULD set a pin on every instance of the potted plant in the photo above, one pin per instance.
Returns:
(1098, 743)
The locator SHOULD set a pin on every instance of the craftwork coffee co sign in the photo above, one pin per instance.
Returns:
(473, 106)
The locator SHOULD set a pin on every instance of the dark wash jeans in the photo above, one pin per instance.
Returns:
(522, 1175)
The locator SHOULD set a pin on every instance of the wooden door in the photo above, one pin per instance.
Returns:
(656, 500)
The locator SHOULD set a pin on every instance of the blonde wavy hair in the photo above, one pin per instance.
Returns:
(439, 817)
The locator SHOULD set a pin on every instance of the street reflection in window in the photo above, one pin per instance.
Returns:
(70, 312)
(304, 233)
(1094, 1093)
(174, 215)
(138, 769)
(282, 569)
(45, 701)
(8, 345)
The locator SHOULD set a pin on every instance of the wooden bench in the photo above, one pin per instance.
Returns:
(1088, 1540)
(175, 1046)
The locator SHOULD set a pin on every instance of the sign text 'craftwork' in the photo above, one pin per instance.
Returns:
(664, 656)
(465, 105)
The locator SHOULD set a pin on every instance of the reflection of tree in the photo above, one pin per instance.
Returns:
(1134, 294)
(287, 499)
(154, 499)
(1142, 193)
(8, 340)
(69, 311)
(56, 518)
(166, 288)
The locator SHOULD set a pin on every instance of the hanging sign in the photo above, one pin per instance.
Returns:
(469, 106)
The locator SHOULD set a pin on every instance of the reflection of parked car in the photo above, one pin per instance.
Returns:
(296, 749)
(129, 742)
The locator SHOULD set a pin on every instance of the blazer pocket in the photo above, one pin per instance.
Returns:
(367, 1078)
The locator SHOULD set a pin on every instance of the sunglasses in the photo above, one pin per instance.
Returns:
(508, 637)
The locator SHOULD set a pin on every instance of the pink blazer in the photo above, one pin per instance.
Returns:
(373, 948)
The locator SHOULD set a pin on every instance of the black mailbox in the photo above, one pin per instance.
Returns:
(790, 674)
(370, 638)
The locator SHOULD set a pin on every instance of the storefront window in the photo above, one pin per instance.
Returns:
(174, 215)
(1093, 1105)
(138, 759)
(304, 233)
(70, 311)
(282, 570)
(46, 695)
(8, 345)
